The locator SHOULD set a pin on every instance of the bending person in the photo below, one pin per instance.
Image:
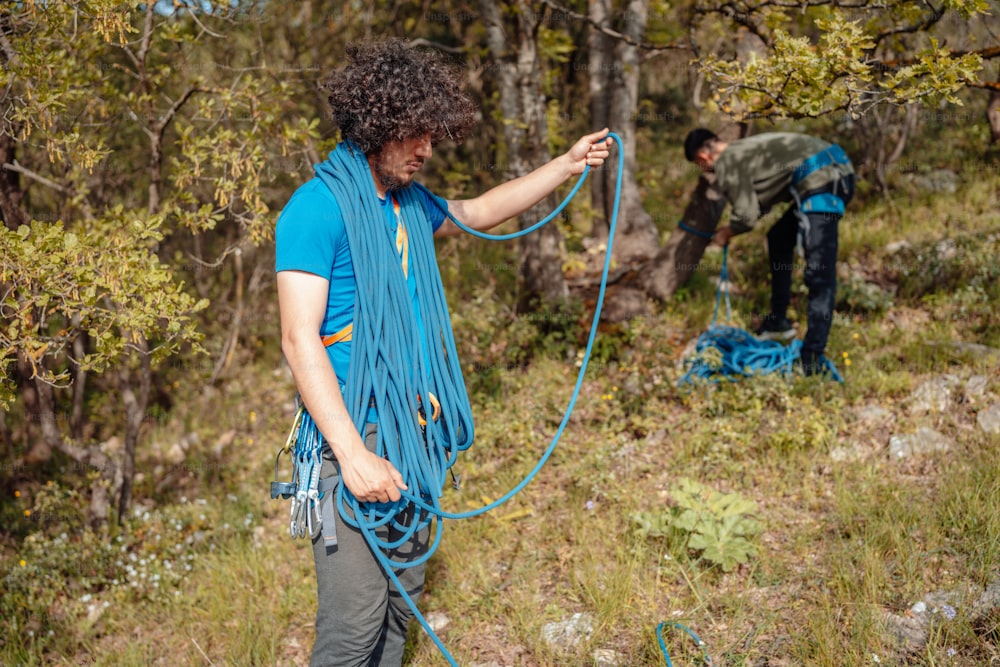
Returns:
(817, 177)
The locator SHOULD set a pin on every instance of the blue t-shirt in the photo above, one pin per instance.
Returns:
(311, 237)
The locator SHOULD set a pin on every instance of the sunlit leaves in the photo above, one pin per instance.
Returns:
(131, 129)
(935, 73)
(843, 63)
(99, 277)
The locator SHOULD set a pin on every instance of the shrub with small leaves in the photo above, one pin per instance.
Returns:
(716, 526)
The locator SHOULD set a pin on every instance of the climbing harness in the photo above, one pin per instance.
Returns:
(822, 201)
(385, 329)
(728, 353)
(697, 640)
(697, 232)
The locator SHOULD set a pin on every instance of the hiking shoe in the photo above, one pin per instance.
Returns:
(775, 329)
(819, 365)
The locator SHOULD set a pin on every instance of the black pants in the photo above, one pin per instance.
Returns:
(819, 244)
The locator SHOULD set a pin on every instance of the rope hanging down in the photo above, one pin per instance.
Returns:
(439, 483)
(727, 352)
(422, 449)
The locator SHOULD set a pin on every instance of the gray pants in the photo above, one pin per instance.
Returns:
(361, 618)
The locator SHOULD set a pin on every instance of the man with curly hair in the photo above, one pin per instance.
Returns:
(393, 103)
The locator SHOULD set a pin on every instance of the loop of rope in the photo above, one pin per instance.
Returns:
(425, 463)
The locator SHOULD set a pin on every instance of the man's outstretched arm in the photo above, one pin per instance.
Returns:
(516, 196)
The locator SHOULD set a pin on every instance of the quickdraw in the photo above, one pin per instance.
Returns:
(304, 445)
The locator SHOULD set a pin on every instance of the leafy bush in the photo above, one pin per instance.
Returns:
(855, 295)
(949, 264)
(716, 526)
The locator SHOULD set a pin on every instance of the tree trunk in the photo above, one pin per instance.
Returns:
(675, 263)
(11, 195)
(136, 401)
(615, 66)
(883, 135)
(108, 479)
(77, 416)
(519, 76)
(993, 116)
(600, 53)
(678, 259)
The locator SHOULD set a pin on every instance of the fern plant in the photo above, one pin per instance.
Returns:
(717, 527)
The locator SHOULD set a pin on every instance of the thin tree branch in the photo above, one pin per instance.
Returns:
(32, 175)
(889, 65)
(984, 85)
(147, 39)
(420, 41)
(161, 124)
(614, 33)
(741, 17)
(935, 16)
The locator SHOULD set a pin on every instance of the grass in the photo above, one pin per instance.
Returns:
(846, 540)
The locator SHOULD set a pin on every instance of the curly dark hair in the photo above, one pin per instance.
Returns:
(391, 91)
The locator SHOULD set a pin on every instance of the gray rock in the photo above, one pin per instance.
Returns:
(975, 386)
(175, 454)
(989, 419)
(925, 440)
(605, 657)
(933, 395)
(946, 249)
(437, 621)
(568, 633)
(873, 413)
(851, 452)
(908, 632)
(987, 604)
(939, 180)
(912, 630)
(971, 348)
(657, 437)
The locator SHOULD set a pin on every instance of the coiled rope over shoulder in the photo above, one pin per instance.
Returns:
(386, 374)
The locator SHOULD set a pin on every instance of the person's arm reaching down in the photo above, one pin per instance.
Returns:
(302, 302)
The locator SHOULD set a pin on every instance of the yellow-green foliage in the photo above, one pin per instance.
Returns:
(834, 66)
(98, 276)
(716, 526)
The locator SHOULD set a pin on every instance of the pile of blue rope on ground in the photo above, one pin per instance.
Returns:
(726, 352)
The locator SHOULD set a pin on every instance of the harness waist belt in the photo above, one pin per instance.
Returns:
(341, 336)
(824, 202)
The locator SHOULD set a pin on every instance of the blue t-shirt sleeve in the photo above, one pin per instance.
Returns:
(436, 212)
(309, 231)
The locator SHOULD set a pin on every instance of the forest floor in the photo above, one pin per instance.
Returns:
(786, 520)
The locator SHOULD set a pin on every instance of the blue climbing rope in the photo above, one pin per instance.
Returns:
(726, 352)
(697, 640)
(385, 376)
